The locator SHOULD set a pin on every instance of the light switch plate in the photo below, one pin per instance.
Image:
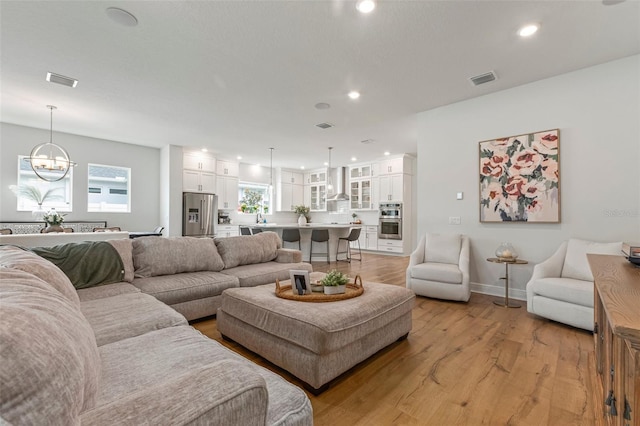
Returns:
(454, 220)
(459, 196)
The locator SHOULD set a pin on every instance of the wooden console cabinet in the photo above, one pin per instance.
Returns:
(617, 339)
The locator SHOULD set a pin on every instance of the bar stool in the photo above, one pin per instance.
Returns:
(319, 236)
(354, 235)
(291, 236)
(244, 230)
(255, 231)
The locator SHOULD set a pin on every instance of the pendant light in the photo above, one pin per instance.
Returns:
(49, 161)
(329, 185)
(270, 189)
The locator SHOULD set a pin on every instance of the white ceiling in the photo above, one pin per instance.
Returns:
(239, 77)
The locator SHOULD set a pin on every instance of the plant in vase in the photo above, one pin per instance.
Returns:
(303, 214)
(54, 220)
(34, 193)
(335, 282)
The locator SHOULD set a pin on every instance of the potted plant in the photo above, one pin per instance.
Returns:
(335, 282)
(33, 193)
(303, 214)
(54, 220)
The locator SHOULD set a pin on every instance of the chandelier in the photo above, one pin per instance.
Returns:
(49, 161)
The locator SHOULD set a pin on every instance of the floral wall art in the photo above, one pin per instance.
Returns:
(520, 178)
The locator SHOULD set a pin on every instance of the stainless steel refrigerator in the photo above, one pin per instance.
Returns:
(199, 214)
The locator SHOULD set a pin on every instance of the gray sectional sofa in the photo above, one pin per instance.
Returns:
(116, 354)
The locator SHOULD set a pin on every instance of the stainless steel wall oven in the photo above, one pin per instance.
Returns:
(390, 221)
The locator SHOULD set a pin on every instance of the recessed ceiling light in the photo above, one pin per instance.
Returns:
(365, 6)
(301, 167)
(322, 105)
(325, 163)
(354, 159)
(122, 17)
(528, 30)
(387, 153)
(239, 157)
(204, 150)
(354, 95)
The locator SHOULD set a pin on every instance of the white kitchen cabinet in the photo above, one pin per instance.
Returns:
(195, 181)
(290, 190)
(391, 188)
(368, 238)
(227, 168)
(317, 176)
(361, 171)
(226, 231)
(318, 197)
(390, 246)
(360, 194)
(396, 165)
(200, 162)
(227, 192)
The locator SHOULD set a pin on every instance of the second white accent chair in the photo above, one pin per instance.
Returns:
(439, 267)
(561, 287)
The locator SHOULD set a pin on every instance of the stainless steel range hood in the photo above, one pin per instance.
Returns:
(339, 191)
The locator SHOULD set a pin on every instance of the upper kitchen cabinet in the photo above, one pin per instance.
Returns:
(227, 168)
(227, 191)
(316, 177)
(401, 164)
(395, 188)
(360, 172)
(200, 162)
(198, 174)
(290, 190)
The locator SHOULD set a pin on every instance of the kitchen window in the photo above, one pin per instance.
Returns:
(254, 198)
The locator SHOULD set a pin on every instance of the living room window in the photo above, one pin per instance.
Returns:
(31, 189)
(109, 189)
(254, 198)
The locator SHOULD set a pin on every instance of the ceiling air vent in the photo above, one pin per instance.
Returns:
(61, 79)
(324, 125)
(483, 78)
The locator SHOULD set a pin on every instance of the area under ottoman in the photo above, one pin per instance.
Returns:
(315, 342)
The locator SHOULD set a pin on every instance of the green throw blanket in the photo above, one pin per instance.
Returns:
(86, 264)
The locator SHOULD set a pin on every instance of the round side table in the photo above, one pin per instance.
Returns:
(507, 262)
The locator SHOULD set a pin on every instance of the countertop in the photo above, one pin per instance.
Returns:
(305, 226)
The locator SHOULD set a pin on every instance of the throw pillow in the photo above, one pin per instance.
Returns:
(443, 248)
(576, 265)
(154, 256)
(124, 247)
(248, 249)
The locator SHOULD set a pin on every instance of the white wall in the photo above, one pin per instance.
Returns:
(597, 111)
(143, 161)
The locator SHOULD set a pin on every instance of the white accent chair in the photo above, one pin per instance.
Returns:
(439, 267)
(561, 287)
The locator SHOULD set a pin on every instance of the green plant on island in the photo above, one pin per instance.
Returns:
(53, 218)
(334, 278)
(303, 210)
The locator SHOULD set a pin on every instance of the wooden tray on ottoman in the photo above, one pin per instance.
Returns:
(351, 290)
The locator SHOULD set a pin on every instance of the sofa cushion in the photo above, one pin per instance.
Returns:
(179, 288)
(576, 265)
(176, 351)
(50, 365)
(107, 290)
(17, 258)
(248, 249)
(442, 248)
(440, 272)
(264, 273)
(153, 256)
(128, 315)
(569, 290)
(124, 247)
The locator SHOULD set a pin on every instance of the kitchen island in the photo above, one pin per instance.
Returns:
(336, 231)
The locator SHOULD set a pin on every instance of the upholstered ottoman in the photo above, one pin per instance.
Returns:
(315, 342)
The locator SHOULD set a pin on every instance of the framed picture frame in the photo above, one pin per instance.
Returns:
(520, 178)
(300, 282)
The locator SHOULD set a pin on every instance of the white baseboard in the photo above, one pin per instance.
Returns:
(494, 290)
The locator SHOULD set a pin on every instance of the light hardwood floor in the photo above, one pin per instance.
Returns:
(463, 364)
